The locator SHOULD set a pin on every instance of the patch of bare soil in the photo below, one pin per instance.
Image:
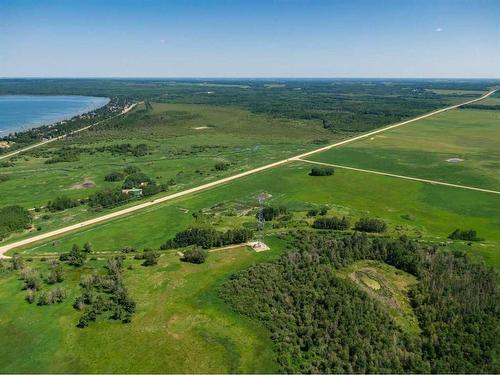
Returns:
(86, 184)
(375, 285)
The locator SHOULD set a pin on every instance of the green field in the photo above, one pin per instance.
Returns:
(424, 148)
(413, 208)
(184, 143)
(180, 325)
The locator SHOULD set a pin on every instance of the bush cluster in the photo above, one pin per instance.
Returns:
(465, 235)
(195, 255)
(207, 238)
(322, 171)
(331, 223)
(62, 203)
(105, 295)
(269, 212)
(371, 225)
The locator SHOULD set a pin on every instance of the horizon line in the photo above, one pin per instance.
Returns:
(249, 77)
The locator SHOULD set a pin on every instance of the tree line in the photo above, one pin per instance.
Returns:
(207, 238)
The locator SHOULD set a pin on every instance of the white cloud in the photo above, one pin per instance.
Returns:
(162, 41)
(439, 29)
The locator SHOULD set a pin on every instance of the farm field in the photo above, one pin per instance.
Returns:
(180, 324)
(459, 147)
(416, 209)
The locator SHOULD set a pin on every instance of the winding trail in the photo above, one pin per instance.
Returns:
(125, 211)
(127, 109)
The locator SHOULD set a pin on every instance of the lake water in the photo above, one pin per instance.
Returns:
(22, 112)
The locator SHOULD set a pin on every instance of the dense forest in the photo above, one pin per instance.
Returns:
(321, 323)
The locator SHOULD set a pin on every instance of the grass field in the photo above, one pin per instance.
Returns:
(420, 210)
(424, 149)
(184, 143)
(180, 326)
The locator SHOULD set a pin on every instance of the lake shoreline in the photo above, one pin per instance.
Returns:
(20, 113)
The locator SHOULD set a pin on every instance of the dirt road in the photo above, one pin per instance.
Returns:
(58, 232)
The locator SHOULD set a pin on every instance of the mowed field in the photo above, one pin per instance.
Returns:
(180, 325)
(417, 209)
(460, 147)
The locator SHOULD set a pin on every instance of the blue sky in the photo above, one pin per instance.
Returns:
(287, 38)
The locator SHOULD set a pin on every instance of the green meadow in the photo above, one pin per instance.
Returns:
(412, 208)
(459, 146)
(184, 143)
(180, 324)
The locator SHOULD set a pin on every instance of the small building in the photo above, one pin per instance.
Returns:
(134, 192)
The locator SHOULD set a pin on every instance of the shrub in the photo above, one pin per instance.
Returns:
(107, 198)
(465, 235)
(128, 249)
(313, 212)
(87, 247)
(75, 257)
(56, 274)
(30, 296)
(131, 169)
(31, 278)
(114, 176)
(17, 263)
(269, 212)
(150, 257)
(322, 171)
(152, 188)
(207, 238)
(61, 203)
(136, 180)
(221, 166)
(371, 225)
(323, 211)
(195, 255)
(48, 298)
(331, 223)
